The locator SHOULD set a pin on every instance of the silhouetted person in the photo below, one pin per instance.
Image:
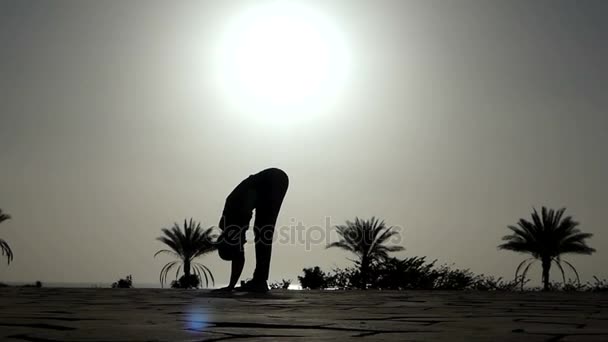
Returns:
(263, 192)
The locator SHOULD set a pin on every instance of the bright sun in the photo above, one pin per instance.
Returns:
(282, 61)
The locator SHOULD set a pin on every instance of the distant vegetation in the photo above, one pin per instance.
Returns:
(366, 239)
(37, 284)
(187, 244)
(314, 279)
(546, 238)
(190, 281)
(598, 285)
(416, 274)
(401, 274)
(4, 247)
(283, 284)
(125, 283)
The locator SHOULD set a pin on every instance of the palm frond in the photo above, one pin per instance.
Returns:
(524, 273)
(559, 265)
(165, 270)
(201, 269)
(179, 268)
(391, 248)
(520, 266)
(6, 251)
(343, 245)
(579, 247)
(208, 271)
(166, 251)
(4, 216)
(578, 279)
(518, 246)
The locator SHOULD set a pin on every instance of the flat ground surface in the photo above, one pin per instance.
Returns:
(178, 315)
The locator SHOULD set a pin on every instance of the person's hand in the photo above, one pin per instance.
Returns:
(224, 289)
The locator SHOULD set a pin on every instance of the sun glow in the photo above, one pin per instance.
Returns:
(281, 61)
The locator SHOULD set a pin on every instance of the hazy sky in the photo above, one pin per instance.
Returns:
(458, 118)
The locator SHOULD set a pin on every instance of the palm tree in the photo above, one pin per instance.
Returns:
(366, 239)
(187, 245)
(546, 238)
(4, 247)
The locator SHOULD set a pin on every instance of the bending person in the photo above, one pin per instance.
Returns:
(263, 192)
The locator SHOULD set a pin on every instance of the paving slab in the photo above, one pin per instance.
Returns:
(54, 314)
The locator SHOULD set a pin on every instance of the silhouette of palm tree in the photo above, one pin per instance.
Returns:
(187, 245)
(4, 247)
(366, 239)
(546, 238)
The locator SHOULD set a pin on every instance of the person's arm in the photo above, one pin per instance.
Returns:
(235, 273)
(236, 270)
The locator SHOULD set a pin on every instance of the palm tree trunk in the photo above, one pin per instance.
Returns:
(187, 268)
(364, 272)
(546, 268)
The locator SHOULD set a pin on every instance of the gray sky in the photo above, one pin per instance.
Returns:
(459, 116)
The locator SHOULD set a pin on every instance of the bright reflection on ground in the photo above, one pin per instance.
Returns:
(196, 319)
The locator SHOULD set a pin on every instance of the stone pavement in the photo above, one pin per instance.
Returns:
(51, 314)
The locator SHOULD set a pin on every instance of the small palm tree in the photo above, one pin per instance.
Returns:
(187, 245)
(546, 238)
(4, 247)
(366, 239)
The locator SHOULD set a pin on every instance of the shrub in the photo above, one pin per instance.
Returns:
(392, 274)
(598, 285)
(37, 284)
(573, 286)
(346, 278)
(490, 283)
(284, 284)
(452, 279)
(409, 273)
(186, 282)
(417, 273)
(126, 283)
(313, 278)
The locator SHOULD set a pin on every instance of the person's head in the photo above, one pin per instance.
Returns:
(231, 240)
(229, 247)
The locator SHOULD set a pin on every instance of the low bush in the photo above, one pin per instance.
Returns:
(284, 284)
(490, 283)
(186, 282)
(313, 278)
(598, 285)
(126, 283)
(420, 274)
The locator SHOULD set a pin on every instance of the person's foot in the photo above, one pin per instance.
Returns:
(254, 286)
(226, 289)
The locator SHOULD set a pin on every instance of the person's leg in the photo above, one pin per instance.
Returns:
(263, 252)
(269, 201)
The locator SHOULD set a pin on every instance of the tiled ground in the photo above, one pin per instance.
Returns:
(28, 314)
